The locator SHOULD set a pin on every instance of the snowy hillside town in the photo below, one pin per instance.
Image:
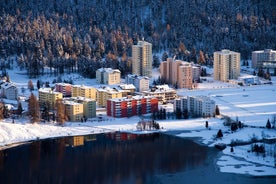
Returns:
(221, 107)
(151, 91)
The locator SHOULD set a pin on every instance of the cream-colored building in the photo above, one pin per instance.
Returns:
(142, 59)
(46, 96)
(226, 65)
(162, 92)
(179, 73)
(83, 91)
(105, 93)
(108, 76)
(74, 110)
(89, 105)
(264, 59)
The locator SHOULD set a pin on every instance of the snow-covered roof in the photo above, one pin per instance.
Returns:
(80, 98)
(108, 70)
(130, 98)
(265, 51)
(137, 76)
(7, 85)
(127, 86)
(63, 84)
(48, 90)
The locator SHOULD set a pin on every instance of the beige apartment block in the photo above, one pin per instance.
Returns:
(105, 93)
(108, 76)
(89, 105)
(46, 96)
(74, 110)
(84, 91)
(142, 59)
(226, 65)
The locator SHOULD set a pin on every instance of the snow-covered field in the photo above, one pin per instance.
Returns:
(252, 105)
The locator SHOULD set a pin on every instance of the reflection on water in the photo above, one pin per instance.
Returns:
(104, 158)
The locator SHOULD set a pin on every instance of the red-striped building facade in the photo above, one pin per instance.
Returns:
(131, 106)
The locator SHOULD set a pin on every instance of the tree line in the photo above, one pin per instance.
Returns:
(75, 36)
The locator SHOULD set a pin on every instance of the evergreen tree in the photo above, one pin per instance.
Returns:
(19, 108)
(34, 109)
(38, 84)
(268, 124)
(217, 110)
(219, 134)
(155, 62)
(165, 56)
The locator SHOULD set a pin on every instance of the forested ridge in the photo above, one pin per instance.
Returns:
(75, 35)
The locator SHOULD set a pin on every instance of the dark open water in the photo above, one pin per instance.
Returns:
(115, 158)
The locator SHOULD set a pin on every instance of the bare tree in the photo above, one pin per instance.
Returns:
(61, 116)
(34, 109)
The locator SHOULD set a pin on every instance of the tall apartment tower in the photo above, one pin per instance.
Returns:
(180, 73)
(142, 59)
(226, 65)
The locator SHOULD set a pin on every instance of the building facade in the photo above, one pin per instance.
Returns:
(163, 93)
(196, 105)
(226, 65)
(131, 106)
(74, 110)
(179, 73)
(89, 106)
(105, 93)
(83, 91)
(142, 59)
(48, 97)
(108, 76)
(64, 88)
(264, 59)
(141, 83)
(9, 91)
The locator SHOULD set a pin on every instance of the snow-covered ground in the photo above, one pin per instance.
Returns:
(252, 105)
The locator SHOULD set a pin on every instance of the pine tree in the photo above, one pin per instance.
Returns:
(61, 116)
(19, 109)
(268, 124)
(33, 107)
(38, 84)
(217, 110)
(219, 134)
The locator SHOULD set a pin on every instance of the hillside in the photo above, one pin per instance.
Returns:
(75, 35)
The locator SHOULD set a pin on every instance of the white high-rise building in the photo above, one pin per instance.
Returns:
(196, 105)
(142, 59)
(264, 58)
(141, 83)
(226, 65)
